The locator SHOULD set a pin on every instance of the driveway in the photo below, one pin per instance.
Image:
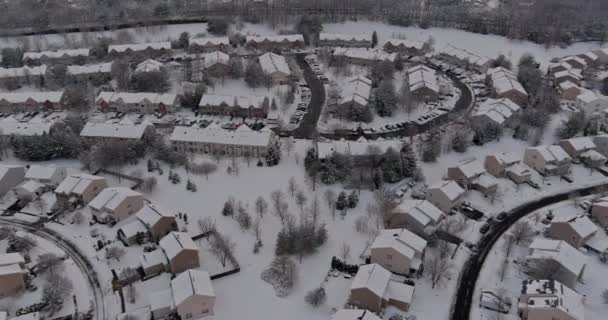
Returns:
(308, 126)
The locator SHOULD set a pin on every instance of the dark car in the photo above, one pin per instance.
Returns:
(484, 229)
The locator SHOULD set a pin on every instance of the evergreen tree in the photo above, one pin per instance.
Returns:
(244, 219)
(273, 105)
(190, 186)
(342, 202)
(236, 67)
(374, 39)
(353, 199)
(460, 141)
(430, 145)
(228, 209)
(273, 156)
(408, 160)
(254, 76)
(386, 98)
(391, 166)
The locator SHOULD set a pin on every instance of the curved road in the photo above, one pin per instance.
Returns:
(472, 268)
(81, 261)
(308, 126)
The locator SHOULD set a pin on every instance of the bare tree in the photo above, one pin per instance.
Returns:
(384, 203)
(279, 205)
(316, 297)
(149, 184)
(131, 293)
(78, 218)
(261, 206)
(314, 210)
(439, 270)
(49, 262)
(206, 224)
(605, 296)
(292, 186)
(543, 269)
(115, 253)
(522, 232)
(222, 247)
(345, 251)
(443, 248)
(257, 229)
(55, 291)
(301, 200)
(289, 145)
(330, 197)
(206, 168)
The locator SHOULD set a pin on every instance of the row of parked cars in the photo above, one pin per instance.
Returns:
(303, 106)
(313, 61)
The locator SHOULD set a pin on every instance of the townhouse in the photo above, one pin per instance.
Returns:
(498, 112)
(405, 48)
(422, 82)
(276, 67)
(398, 250)
(237, 106)
(344, 40)
(506, 85)
(116, 204)
(548, 160)
(79, 189)
(31, 101)
(140, 102)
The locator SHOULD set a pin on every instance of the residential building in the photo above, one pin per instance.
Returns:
(279, 42)
(472, 175)
(104, 131)
(576, 147)
(149, 65)
(344, 40)
(355, 94)
(373, 289)
(404, 47)
(466, 59)
(559, 67)
(507, 165)
(398, 250)
(10, 126)
(506, 85)
(116, 204)
(140, 102)
(217, 64)
(182, 253)
(31, 101)
(276, 67)
(548, 160)
(132, 233)
(237, 106)
(200, 45)
(589, 57)
(445, 195)
(602, 55)
(26, 75)
(365, 57)
(358, 149)
(242, 142)
(494, 112)
(49, 175)
(354, 314)
(12, 274)
(79, 189)
(569, 90)
(550, 300)
(153, 263)
(575, 62)
(91, 72)
(419, 216)
(591, 102)
(10, 177)
(56, 57)
(573, 75)
(567, 263)
(193, 294)
(599, 211)
(147, 49)
(572, 228)
(158, 220)
(161, 304)
(29, 189)
(422, 82)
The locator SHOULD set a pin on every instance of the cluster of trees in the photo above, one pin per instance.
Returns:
(300, 239)
(62, 141)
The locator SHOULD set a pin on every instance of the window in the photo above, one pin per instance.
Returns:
(389, 257)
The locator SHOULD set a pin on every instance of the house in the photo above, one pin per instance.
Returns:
(140, 102)
(364, 57)
(193, 294)
(506, 85)
(398, 250)
(98, 132)
(181, 251)
(89, 72)
(406, 48)
(153, 263)
(422, 82)
(354, 314)
(11, 102)
(602, 55)
(10, 177)
(373, 289)
(29, 190)
(12, 274)
(559, 67)
(344, 40)
(466, 59)
(217, 64)
(276, 67)
(583, 148)
(279, 42)
(576, 62)
(200, 45)
(445, 195)
(591, 102)
(355, 94)
(572, 228)
(56, 57)
(148, 65)
(147, 49)
(359, 149)
(25, 75)
(161, 304)
(419, 216)
(116, 204)
(507, 165)
(589, 57)
(494, 112)
(132, 233)
(550, 299)
(573, 75)
(49, 175)
(237, 106)
(158, 220)
(242, 142)
(567, 263)
(472, 175)
(548, 160)
(599, 211)
(601, 142)
(79, 189)
(569, 90)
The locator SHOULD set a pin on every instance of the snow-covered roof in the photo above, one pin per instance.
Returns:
(131, 229)
(560, 251)
(35, 96)
(576, 59)
(190, 283)
(403, 241)
(406, 43)
(41, 172)
(355, 148)
(421, 210)
(354, 314)
(245, 102)
(472, 168)
(589, 55)
(28, 316)
(272, 62)
(151, 213)
(553, 294)
(175, 242)
(498, 111)
(582, 225)
(575, 73)
(90, 68)
(23, 71)
(567, 85)
(6, 168)
(588, 96)
(204, 42)
(76, 183)
(580, 144)
(11, 258)
(422, 76)
(344, 37)
(152, 259)
(161, 300)
(365, 54)
(139, 46)
(137, 97)
(111, 198)
(401, 292)
(56, 54)
(507, 158)
(451, 189)
(465, 55)
(114, 130)
(212, 58)
(551, 153)
(30, 186)
(16, 128)
(243, 137)
(372, 277)
(279, 38)
(592, 155)
(505, 80)
(357, 88)
(148, 65)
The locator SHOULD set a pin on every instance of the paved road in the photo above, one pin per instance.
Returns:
(472, 268)
(308, 126)
(81, 261)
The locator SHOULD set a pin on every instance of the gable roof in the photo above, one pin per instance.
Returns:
(465, 55)
(403, 241)
(90, 68)
(344, 37)
(372, 277)
(41, 172)
(276, 38)
(56, 54)
(551, 153)
(175, 242)
(111, 198)
(505, 80)
(406, 43)
(498, 111)
(272, 62)
(582, 225)
(450, 189)
(471, 169)
(357, 89)
(210, 41)
(421, 210)
(36, 96)
(148, 65)
(23, 71)
(190, 283)
(422, 76)
(216, 135)
(151, 213)
(215, 57)
(76, 183)
(355, 148)
(365, 54)
(114, 130)
(559, 251)
(139, 46)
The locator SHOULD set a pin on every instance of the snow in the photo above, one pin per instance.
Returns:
(139, 46)
(276, 38)
(372, 277)
(356, 89)
(272, 62)
(403, 240)
(244, 102)
(344, 37)
(356, 148)
(451, 189)
(221, 136)
(105, 67)
(168, 99)
(111, 198)
(38, 97)
(76, 183)
(42, 172)
(24, 129)
(175, 242)
(191, 283)
(113, 130)
(56, 54)
(406, 43)
(215, 41)
(354, 314)
(499, 110)
(422, 76)
(559, 251)
(472, 169)
(215, 57)
(150, 214)
(148, 65)
(131, 229)
(161, 300)
(421, 210)
(583, 226)
(365, 54)
(23, 71)
(551, 154)
(11, 258)
(505, 80)
(399, 292)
